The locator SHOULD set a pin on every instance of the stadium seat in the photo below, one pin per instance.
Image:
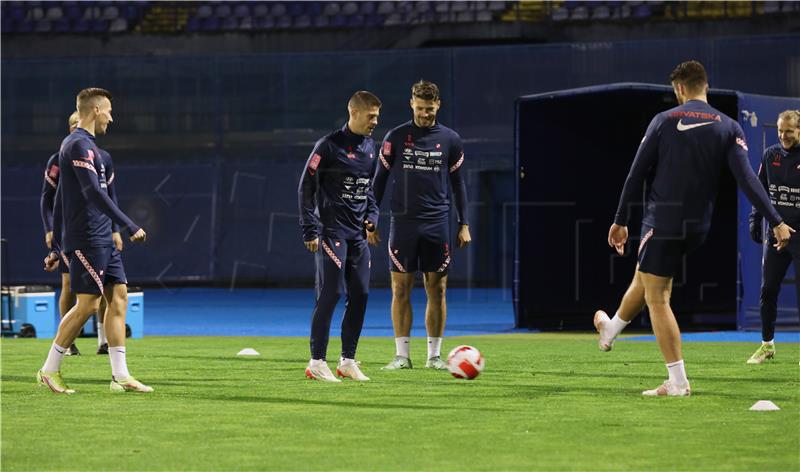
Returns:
(110, 12)
(260, 9)
(241, 10)
(18, 13)
(302, 21)
(422, 7)
(367, 8)
(497, 6)
(642, 11)
(477, 6)
(80, 26)
(601, 12)
(338, 21)
(118, 25)
(465, 17)
(579, 13)
(560, 14)
(278, 10)
(313, 9)
(458, 7)
(331, 9)
(284, 21)
(43, 26)
(355, 21)
(321, 21)
(386, 8)
(483, 16)
(193, 24)
(210, 24)
(25, 26)
(442, 7)
(246, 24)
(35, 14)
(61, 26)
(230, 23)
(73, 12)
(349, 8)
(265, 23)
(54, 13)
(223, 10)
(394, 19)
(204, 11)
(98, 26)
(373, 21)
(295, 9)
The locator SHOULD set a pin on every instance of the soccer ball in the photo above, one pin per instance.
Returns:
(465, 362)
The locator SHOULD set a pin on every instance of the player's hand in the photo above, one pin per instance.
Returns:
(48, 239)
(312, 245)
(51, 262)
(755, 232)
(617, 237)
(117, 238)
(464, 237)
(783, 233)
(139, 236)
(373, 238)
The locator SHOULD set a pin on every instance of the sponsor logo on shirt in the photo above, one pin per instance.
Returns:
(387, 148)
(695, 114)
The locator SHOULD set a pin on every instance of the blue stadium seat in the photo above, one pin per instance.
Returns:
(260, 9)
(642, 11)
(110, 12)
(230, 23)
(241, 10)
(465, 16)
(601, 12)
(442, 7)
(295, 9)
(385, 8)
(302, 21)
(43, 26)
(560, 14)
(373, 21)
(265, 23)
(338, 21)
(367, 8)
(321, 21)
(223, 10)
(193, 24)
(483, 16)
(246, 24)
(331, 9)
(284, 22)
(54, 13)
(61, 26)
(355, 21)
(210, 24)
(278, 10)
(6, 23)
(118, 25)
(349, 8)
(99, 26)
(204, 11)
(25, 26)
(80, 26)
(313, 9)
(579, 13)
(73, 12)
(497, 6)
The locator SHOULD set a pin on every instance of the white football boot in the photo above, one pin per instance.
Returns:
(601, 322)
(348, 369)
(668, 389)
(318, 370)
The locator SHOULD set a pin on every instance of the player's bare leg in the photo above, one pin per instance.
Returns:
(122, 381)
(668, 335)
(102, 340)
(66, 301)
(402, 318)
(631, 305)
(68, 329)
(435, 316)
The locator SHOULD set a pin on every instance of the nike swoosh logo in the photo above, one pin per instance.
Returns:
(683, 127)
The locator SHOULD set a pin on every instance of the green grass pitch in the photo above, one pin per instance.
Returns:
(545, 402)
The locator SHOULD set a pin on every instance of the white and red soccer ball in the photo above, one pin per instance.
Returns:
(465, 362)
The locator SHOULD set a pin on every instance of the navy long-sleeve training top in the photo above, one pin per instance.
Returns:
(681, 157)
(335, 194)
(424, 164)
(779, 174)
(83, 204)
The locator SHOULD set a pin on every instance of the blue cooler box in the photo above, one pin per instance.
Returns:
(134, 317)
(33, 305)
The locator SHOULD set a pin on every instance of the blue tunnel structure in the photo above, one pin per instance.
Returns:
(573, 149)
